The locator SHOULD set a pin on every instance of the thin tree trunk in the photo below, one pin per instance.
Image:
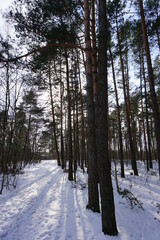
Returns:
(77, 130)
(66, 138)
(53, 118)
(127, 107)
(70, 150)
(27, 143)
(3, 163)
(119, 117)
(61, 113)
(140, 150)
(61, 116)
(142, 115)
(155, 109)
(147, 115)
(82, 125)
(74, 132)
(5, 121)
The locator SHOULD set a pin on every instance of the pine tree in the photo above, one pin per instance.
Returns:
(93, 196)
(104, 167)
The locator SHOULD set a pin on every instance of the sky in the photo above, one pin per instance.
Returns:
(3, 6)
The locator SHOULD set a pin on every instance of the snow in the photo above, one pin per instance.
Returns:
(46, 206)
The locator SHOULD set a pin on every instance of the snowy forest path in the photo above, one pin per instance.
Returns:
(43, 207)
(29, 198)
(46, 206)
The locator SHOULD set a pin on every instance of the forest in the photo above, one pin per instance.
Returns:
(80, 83)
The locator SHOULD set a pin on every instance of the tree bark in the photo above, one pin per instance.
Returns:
(70, 151)
(94, 54)
(93, 196)
(104, 167)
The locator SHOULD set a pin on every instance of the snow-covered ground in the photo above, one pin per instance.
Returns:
(46, 206)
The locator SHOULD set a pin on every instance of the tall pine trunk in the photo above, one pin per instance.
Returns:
(104, 167)
(93, 196)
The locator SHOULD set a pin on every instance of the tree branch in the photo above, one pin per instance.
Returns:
(57, 45)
